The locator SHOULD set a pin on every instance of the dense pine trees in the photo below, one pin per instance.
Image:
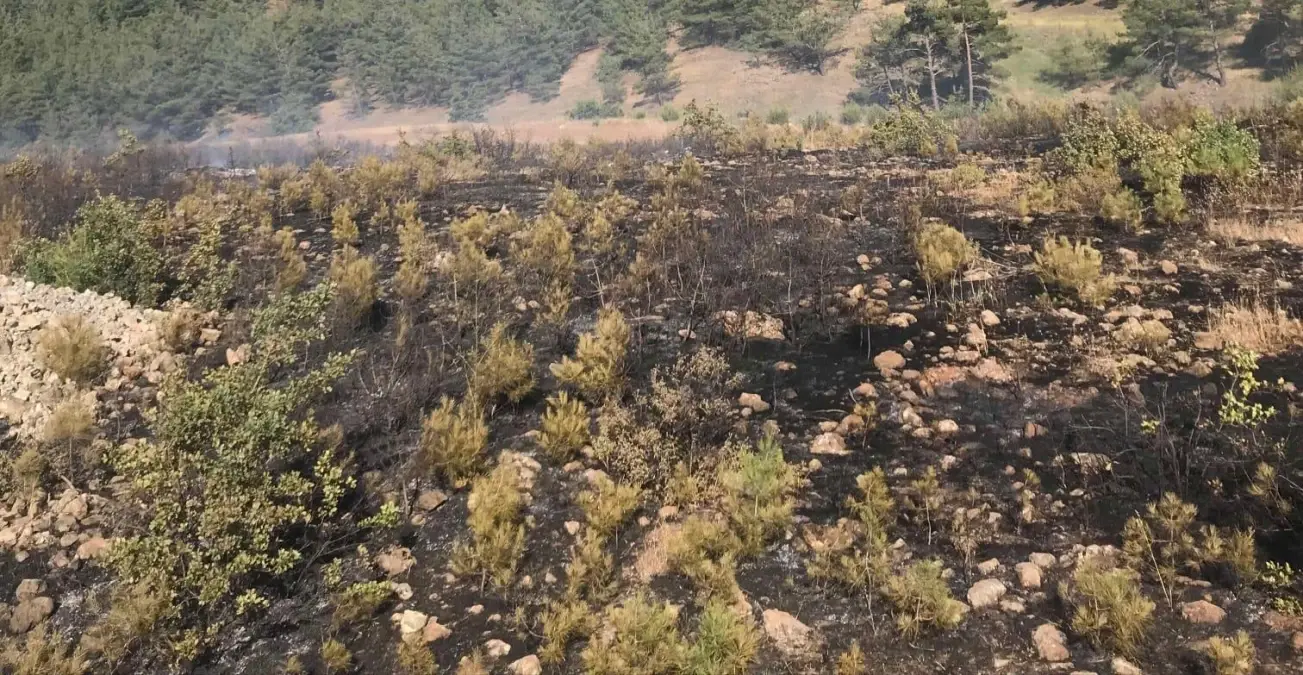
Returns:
(75, 69)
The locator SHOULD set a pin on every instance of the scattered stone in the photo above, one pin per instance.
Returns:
(403, 590)
(792, 637)
(29, 589)
(410, 622)
(946, 427)
(1051, 643)
(1202, 611)
(829, 443)
(530, 665)
(1013, 606)
(434, 630)
(988, 567)
(496, 649)
(990, 318)
(430, 500)
(572, 527)
(1296, 642)
(1122, 666)
(1029, 574)
(751, 325)
(889, 360)
(986, 592)
(753, 402)
(1168, 267)
(29, 613)
(395, 560)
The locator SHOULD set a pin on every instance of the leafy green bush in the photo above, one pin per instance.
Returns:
(777, 116)
(1222, 150)
(109, 249)
(237, 473)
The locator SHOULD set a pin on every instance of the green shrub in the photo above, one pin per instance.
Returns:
(669, 113)
(1232, 656)
(502, 367)
(358, 601)
(922, 599)
(758, 487)
(1109, 608)
(725, 643)
(1222, 150)
(852, 113)
(942, 252)
(1075, 267)
(236, 472)
(497, 533)
(597, 368)
(564, 427)
(645, 640)
(1122, 207)
(777, 116)
(453, 438)
(110, 249)
(356, 288)
(607, 505)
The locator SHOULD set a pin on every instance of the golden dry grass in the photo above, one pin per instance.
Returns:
(1241, 229)
(1255, 327)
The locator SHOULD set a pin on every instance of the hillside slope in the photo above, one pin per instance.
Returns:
(738, 82)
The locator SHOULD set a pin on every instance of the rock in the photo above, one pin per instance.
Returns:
(792, 637)
(496, 649)
(29, 589)
(410, 622)
(1202, 611)
(889, 360)
(395, 560)
(1029, 575)
(29, 613)
(866, 390)
(990, 318)
(1296, 642)
(986, 592)
(530, 665)
(988, 567)
(753, 402)
(431, 500)
(1168, 267)
(1012, 606)
(1044, 561)
(92, 548)
(829, 444)
(403, 590)
(946, 427)
(751, 325)
(1051, 643)
(572, 527)
(433, 631)
(1122, 666)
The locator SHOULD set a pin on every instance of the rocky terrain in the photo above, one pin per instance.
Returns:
(834, 411)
